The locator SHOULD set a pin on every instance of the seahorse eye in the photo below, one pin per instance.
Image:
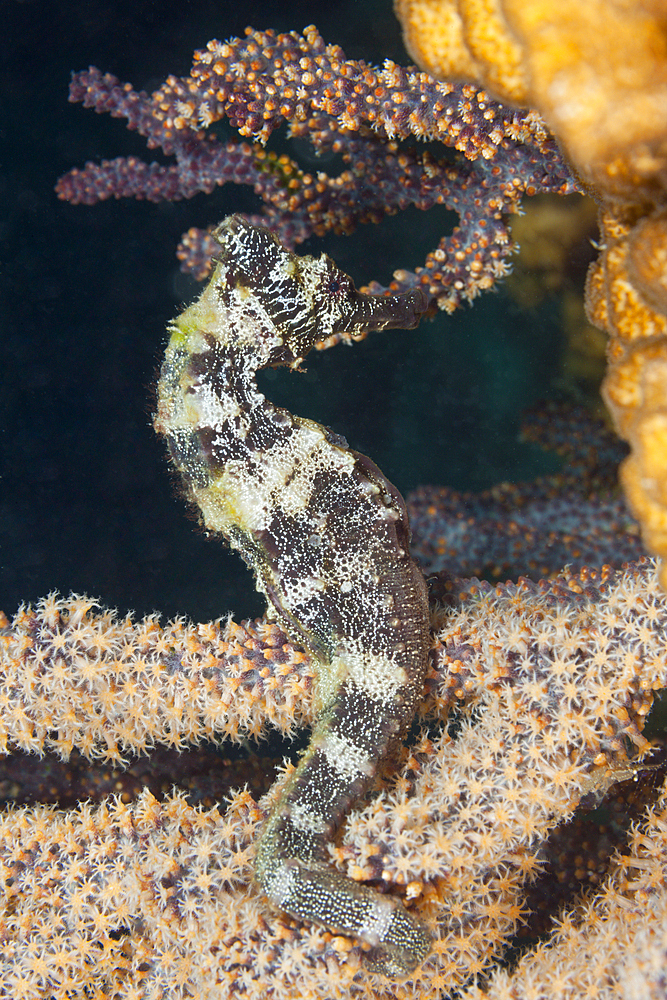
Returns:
(334, 286)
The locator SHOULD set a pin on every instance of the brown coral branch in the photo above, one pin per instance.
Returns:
(343, 106)
(551, 683)
(612, 946)
(108, 686)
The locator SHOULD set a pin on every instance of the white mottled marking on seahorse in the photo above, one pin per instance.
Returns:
(349, 760)
(327, 538)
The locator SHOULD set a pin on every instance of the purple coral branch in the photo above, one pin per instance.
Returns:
(575, 517)
(348, 107)
(265, 79)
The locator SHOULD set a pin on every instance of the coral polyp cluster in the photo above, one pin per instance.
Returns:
(551, 685)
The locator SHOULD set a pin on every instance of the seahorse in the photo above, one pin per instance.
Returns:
(326, 535)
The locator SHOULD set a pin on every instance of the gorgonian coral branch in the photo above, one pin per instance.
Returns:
(341, 105)
(576, 517)
(552, 683)
(615, 944)
(108, 687)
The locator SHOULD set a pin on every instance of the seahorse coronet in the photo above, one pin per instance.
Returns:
(327, 537)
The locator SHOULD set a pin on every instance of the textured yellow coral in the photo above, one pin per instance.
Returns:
(465, 39)
(625, 293)
(597, 73)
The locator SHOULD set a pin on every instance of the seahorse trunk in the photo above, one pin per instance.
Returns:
(327, 538)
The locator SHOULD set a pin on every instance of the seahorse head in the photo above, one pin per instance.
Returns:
(306, 299)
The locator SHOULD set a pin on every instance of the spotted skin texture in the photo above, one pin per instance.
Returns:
(326, 536)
